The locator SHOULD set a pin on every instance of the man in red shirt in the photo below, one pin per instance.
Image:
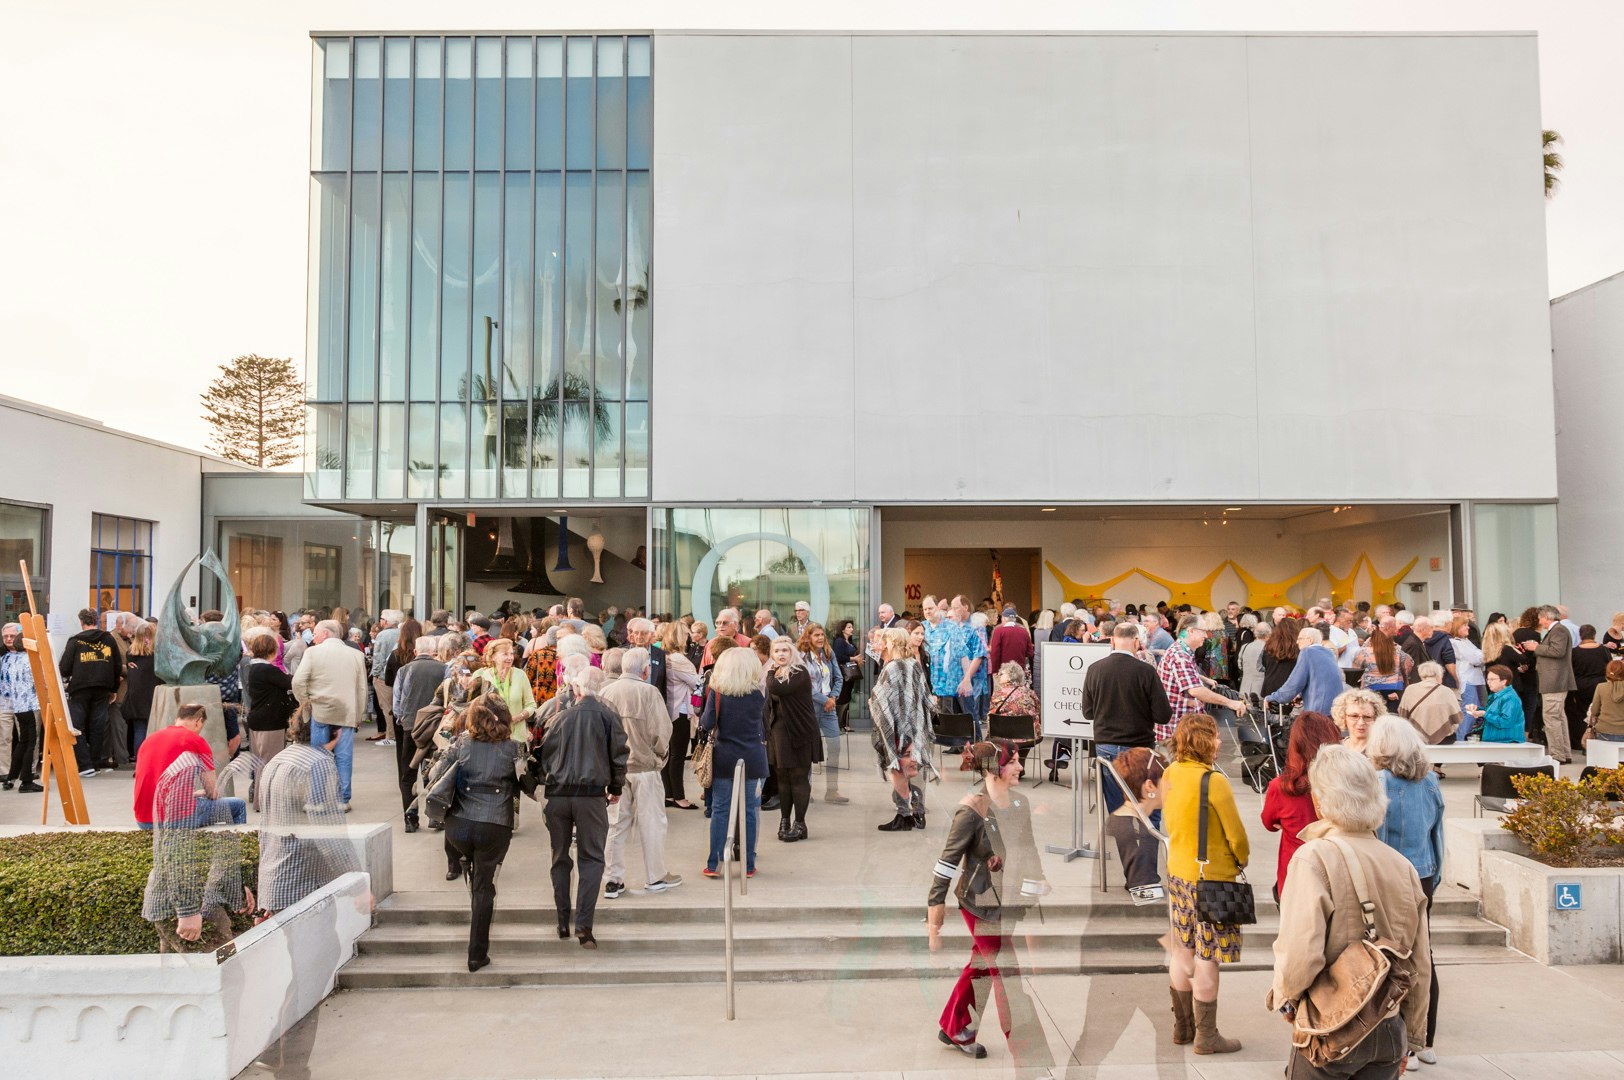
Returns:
(1010, 643)
(159, 751)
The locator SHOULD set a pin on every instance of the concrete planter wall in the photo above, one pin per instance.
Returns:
(1520, 895)
(1465, 841)
(191, 1017)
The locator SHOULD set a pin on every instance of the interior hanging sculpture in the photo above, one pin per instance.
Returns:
(186, 655)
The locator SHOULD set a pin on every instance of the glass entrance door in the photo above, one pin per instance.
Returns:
(445, 564)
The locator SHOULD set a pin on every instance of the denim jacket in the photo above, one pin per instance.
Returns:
(1415, 822)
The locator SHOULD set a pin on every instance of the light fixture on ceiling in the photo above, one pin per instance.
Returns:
(1047, 510)
(1227, 509)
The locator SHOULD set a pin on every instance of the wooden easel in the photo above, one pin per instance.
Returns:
(53, 717)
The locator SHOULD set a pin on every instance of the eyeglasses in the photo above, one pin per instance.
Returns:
(1360, 715)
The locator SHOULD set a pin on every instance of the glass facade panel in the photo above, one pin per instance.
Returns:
(329, 233)
(459, 102)
(397, 103)
(1514, 555)
(363, 317)
(488, 103)
(529, 209)
(285, 565)
(749, 558)
(367, 126)
(358, 457)
(455, 295)
(120, 565)
(427, 105)
(391, 451)
(519, 128)
(394, 318)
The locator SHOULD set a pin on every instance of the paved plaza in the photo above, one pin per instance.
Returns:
(1502, 1015)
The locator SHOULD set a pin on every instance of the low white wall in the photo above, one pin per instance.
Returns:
(191, 1017)
(1518, 893)
(1465, 841)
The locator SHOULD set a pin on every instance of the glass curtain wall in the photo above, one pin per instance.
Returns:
(282, 564)
(25, 536)
(480, 218)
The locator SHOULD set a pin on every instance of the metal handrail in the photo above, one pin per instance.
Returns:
(735, 812)
(1104, 767)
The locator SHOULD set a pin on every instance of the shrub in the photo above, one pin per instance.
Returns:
(79, 893)
(1563, 820)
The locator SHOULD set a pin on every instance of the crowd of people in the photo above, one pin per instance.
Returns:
(583, 712)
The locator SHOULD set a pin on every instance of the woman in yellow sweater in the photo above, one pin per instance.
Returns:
(1199, 947)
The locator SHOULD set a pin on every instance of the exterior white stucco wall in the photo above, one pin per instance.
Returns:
(79, 468)
(1587, 339)
(862, 240)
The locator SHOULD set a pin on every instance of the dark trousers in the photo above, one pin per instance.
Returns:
(482, 845)
(794, 793)
(1379, 1057)
(405, 750)
(586, 818)
(88, 709)
(1432, 997)
(22, 749)
(676, 761)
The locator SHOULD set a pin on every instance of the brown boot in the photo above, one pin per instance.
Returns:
(1183, 1017)
(1207, 1039)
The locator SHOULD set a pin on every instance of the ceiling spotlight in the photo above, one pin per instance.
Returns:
(1047, 510)
(1227, 509)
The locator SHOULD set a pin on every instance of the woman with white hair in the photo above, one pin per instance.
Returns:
(1431, 706)
(1014, 698)
(1321, 912)
(18, 697)
(1355, 712)
(733, 718)
(1250, 659)
(793, 740)
(1414, 823)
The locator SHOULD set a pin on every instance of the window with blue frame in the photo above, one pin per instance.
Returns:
(120, 564)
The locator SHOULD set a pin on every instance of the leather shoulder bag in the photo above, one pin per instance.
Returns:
(1219, 902)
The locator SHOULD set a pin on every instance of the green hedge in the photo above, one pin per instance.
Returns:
(79, 893)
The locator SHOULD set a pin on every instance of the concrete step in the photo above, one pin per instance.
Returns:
(692, 904)
(816, 937)
(564, 963)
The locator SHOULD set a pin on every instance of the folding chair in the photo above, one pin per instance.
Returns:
(1018, 730)
(954, 731)
(1495, 792)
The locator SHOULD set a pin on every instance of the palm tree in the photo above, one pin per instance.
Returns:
(1553, 161)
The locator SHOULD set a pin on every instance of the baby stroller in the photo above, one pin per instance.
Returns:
(1263, 735)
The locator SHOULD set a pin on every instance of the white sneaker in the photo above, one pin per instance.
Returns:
(345, 807)
(87, 772)
(1429, 1056)
(1145, 895)
(386, 742)
(670, 881)
(1410, 1064)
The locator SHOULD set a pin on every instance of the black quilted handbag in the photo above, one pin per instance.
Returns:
(1219, 902)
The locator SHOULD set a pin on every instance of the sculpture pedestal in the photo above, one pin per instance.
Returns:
(166, 703)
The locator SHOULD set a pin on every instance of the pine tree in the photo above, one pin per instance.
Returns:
(256, 410)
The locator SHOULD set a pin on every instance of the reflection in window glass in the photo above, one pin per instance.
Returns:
(454, 451)
(393, 317)
(580, 420)
(363, 314)
(420, 432)
(358, 459)
(329, 231)
(549, 294)
(486, 450)
(324, 450)
(577, 284)
(517, 290)
(606, 457)
(609, 295)
(515, 449)
(1514, 555)
(23, 531)
(637, 480)
(639, 223)
(459, 102)
(368, 105)
(425, 284)
(454, 292)
(639, 105)
(487, 283)
(488, 104)
(611, 103)
(397, 103)
(520, 101)
(331, 133)
(391, 451)
(426, 106)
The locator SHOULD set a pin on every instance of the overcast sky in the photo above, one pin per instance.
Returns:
(154, 157)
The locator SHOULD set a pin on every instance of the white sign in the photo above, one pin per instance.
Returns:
(1063, 666)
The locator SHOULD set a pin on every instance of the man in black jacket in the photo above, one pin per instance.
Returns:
(582, 763)
(1125, 699)
(91, 674)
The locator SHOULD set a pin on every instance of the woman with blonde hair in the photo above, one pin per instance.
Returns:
(681, 683)
(823, 669)
(793, 742)
(1193, 789)
(506, 682)
(141, 681)
(902, 705)
(733, 718)
(1354, 712)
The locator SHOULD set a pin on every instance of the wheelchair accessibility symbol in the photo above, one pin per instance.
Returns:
(1569, 897)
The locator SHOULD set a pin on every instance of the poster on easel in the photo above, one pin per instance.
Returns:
(57, 762)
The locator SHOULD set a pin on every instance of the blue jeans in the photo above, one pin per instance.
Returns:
(721, 793)
(1606, 738)
(344, 753)
(1470, 694)
(1107, 753)
(204, 813)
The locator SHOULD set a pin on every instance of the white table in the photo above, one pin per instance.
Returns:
(1517, 753)
(1602, 754)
